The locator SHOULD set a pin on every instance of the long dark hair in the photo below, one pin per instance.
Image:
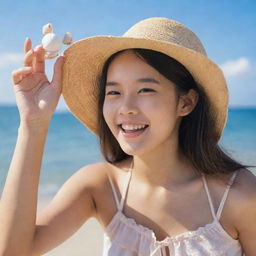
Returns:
(198, 139)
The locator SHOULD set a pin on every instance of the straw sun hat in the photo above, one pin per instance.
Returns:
(85, 58)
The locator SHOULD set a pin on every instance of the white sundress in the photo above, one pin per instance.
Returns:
(124, 237)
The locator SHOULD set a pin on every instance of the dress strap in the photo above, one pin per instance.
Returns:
(124, 190)
(209, 196)
(224, 197)
(231, 180)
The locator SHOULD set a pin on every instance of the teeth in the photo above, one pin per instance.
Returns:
(132, 127)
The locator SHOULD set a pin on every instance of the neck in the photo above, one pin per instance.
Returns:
(165, 166)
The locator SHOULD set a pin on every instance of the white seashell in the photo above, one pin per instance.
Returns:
(67, 38)
(51, 42)
(50, 55)
(47, 28)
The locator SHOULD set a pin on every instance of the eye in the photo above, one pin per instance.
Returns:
(114, 92)
(148, 89)
(111, 93)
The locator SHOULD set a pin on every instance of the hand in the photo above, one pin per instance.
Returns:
(36, 97)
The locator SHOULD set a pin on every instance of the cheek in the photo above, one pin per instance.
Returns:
(158, 108)
(163, 115)
(109, 114)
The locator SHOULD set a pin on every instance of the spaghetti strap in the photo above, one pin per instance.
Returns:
(226, 194)
(124, 191)
(114, 191)
(224, 197)
(209, 196)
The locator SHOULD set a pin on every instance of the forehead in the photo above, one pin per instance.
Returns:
(129, 61)
(125, 56)
(128, 67)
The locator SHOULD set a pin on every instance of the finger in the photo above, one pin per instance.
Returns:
(57, 75)
(27, 45)
(40, 60)
(28, 58)
(19, 74)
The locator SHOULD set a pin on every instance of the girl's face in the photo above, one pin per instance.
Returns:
(136, 93)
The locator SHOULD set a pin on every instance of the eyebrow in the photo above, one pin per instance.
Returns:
(140, 80)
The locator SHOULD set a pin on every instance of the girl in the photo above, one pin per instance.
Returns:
(159, 107)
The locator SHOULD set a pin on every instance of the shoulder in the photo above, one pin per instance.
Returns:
(100, 189)
(98, 172)
(93, 174)
(92, 179)
(244, 186)
(244, 193)
(96, 175)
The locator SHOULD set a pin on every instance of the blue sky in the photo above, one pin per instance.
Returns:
(226, 28)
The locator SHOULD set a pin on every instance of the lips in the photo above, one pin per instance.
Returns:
(131, 131)
(131, 123)
(132, 134)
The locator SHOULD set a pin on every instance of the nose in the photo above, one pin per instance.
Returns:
(128, 106)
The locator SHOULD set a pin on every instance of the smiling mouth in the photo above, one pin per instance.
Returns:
(131, 131)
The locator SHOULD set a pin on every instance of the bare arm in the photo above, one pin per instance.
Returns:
(246, 213)
(36, 99)
(23, 232)
(19, 197)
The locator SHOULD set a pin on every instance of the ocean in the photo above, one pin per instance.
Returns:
(70, 145)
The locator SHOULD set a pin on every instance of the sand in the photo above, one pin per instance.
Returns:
(88, 240)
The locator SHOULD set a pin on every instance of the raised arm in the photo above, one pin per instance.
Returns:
(23, 232)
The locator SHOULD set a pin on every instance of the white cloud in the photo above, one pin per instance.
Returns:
(236, 67)
(10, 59)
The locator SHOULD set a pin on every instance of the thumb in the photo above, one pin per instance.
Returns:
(57, 75)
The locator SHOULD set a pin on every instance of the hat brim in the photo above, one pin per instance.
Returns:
(84, 61)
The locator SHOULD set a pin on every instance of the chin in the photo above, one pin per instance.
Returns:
(135, 149)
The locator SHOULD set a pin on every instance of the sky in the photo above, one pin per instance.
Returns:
(227, 30)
